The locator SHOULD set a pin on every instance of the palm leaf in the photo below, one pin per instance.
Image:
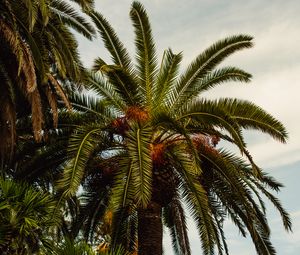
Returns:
(175, 220)
(34, 47)
(111, 41)
(125, 85)
(92, 105)
(212, 79)
(70, 17)
(81, 146)
(196, 199)
(7, 116)
(123, 192)
(207, 111)
(32, 9)
(225, 165)
(37, 116)
(145, 50)
(206, 62)
(166, 76)
(52, 100)
(59, 90)
(106, 90)
(249, 115)
(275, 201)
(138, 146)
(87, 5)
(64, 46)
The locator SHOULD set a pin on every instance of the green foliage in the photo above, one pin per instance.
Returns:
(70, 247)
(161, 144)
(144, 135)
(26, 217)
(38, 54)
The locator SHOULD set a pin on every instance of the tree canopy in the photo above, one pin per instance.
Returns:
(119, 151)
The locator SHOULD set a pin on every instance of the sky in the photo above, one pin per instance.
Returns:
(191, 26)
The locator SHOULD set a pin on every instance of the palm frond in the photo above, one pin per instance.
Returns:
(218, 216)
(275, 201)
(207, 111)
(106, 90)
(196, 199)
(93, 208)
(63, 45)
(28, 68)
(22, 54)
(120, 56)
(250, 116)
(71, 247)
(59, 90)
(71, 18)
(92, 105)
(212, 79)
(35, 49)
(7, 117)
(246, 213)
(145, 51)
(44, 10)
(219, 225)
(40, 163)
(52, 100)
(224, 164)
(166, 77)
(86, 5)
(124, 229)
(138, 146)
(81, 146)
(32, 9)
(206, 62)
(175, 220)
(123, 192)
(37, 116)
(271, 182)
(126, 86)
(31, 218)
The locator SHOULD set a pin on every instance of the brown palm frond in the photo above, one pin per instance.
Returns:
(7, 127)
(23, 55)
(59, 91)
(36, 115)
(28, 68)
(12, 38)
(52, 100)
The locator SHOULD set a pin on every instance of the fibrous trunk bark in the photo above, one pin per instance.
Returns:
(150, 231)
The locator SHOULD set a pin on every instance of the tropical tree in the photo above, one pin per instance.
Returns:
(27, 216)
(38, 53)
(157, 138)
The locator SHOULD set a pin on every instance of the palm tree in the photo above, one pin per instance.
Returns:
(26, 218)
(157, 138)
(38, 52)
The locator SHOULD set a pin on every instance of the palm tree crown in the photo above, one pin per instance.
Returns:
(157, 137)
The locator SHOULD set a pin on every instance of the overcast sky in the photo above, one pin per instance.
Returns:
(274, 62)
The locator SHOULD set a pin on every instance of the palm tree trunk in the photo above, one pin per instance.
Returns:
(150, 231)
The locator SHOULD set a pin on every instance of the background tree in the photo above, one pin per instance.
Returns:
(158, 137)
(38, 61)
(38, 53)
